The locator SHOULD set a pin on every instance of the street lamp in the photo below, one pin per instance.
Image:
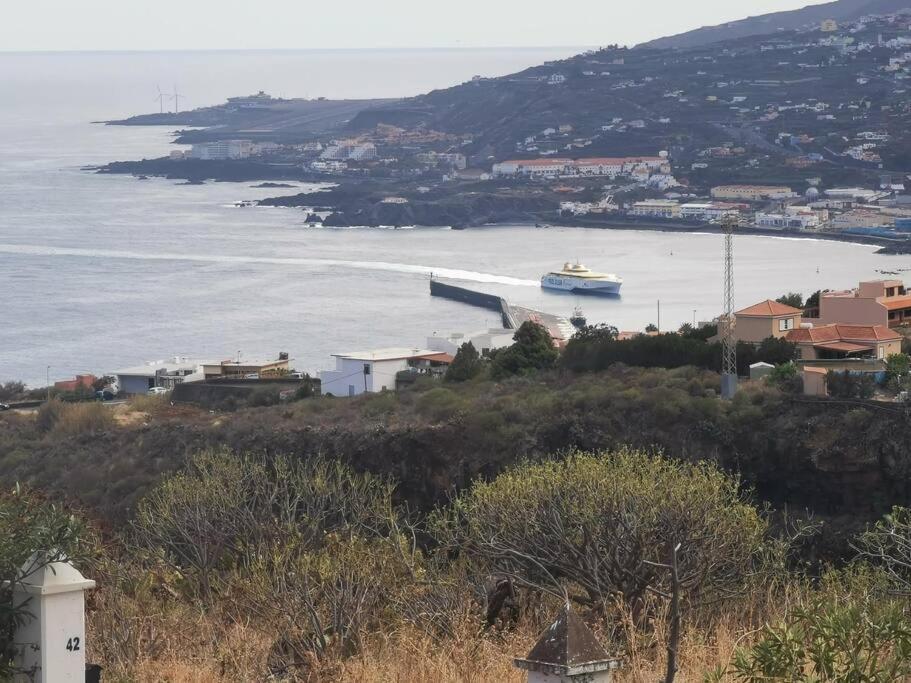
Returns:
(48, 380)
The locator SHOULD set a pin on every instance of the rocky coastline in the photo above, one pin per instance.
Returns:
(466, 204)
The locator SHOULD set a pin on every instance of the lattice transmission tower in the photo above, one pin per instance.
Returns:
(728, 337)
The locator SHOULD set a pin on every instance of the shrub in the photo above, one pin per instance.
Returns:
(596, 521)
(224, 509)
(74, 418)
(832, 640)
(466, 365)
(533, 350)
(897, 366)
(786, 378)
(847, 384)
(889, 544)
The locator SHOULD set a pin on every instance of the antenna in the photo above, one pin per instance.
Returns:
(176, 97)
(728, 339)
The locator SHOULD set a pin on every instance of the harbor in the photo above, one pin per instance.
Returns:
(559, 327)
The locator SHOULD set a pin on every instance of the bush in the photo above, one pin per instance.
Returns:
(533, 350)
(74, 418)
(897, 366)
(225, 509)
(786, 378)
(596, 521)
(466, 365)
(832, 640)
(11, 390)
(847, 384)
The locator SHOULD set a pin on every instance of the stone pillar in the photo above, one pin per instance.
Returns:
(50, 643)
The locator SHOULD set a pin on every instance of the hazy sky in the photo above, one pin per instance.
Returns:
(263, 24)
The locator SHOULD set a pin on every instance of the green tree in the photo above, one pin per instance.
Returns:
(597, 523)
(847, 384)
(466, 365)
(651, 327)
(813, 299)
(793, 299)
(786, 378)
(533, 350)
(30, 529)
(897, 366)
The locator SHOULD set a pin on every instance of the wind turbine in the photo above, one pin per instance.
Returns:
(161, 98)
(176, 97)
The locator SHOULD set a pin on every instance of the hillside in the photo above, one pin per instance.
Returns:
(836, 459)
(841, 10)
(820, 89)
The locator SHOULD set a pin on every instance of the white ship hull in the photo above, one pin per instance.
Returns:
(577, 285)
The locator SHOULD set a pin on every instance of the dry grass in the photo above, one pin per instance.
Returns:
(74, 419)
(151, 639)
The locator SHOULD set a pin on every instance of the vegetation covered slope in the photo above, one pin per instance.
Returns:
(832, 457)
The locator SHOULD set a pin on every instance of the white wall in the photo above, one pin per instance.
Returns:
(348, 378)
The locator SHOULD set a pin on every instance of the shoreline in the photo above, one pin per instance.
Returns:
(351, 203)
(881, 243)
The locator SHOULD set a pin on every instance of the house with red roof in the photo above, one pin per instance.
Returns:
(837, 342)
(766, 319)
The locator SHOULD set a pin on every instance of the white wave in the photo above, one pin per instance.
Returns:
(450, 273)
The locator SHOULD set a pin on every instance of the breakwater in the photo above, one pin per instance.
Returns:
(491, 302)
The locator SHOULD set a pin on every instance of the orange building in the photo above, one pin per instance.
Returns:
(766, 319)
(79, 382)
(875, 302)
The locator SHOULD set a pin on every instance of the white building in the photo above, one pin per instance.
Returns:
(349, 151)
(222, 150)
(707, 211)
(168, 374)
(640, 167)
(793, 219)
(483, 340)
(359, 372)
(656, 208)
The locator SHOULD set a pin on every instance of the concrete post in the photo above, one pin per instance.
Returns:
(50, 643)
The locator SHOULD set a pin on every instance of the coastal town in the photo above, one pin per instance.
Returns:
(802, 131)
(863, 333)
(594, 367)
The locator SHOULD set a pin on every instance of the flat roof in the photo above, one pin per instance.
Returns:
(246, 363)
(392, 353)
(149, 369)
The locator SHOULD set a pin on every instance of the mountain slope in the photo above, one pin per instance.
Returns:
(840, 10)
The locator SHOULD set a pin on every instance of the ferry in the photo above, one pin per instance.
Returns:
(578, 279)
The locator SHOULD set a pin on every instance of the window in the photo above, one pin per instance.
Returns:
(786, 324)
(882, 352)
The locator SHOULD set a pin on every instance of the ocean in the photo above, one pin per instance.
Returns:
(99, 272)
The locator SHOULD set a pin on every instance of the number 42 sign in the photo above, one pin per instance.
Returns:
(72, 645)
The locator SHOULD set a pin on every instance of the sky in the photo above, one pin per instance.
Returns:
(51, 25)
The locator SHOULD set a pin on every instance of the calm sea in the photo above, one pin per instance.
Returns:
(101, 272)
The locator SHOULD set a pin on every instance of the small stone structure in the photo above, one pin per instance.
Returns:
(568, 652)
(50, 643)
